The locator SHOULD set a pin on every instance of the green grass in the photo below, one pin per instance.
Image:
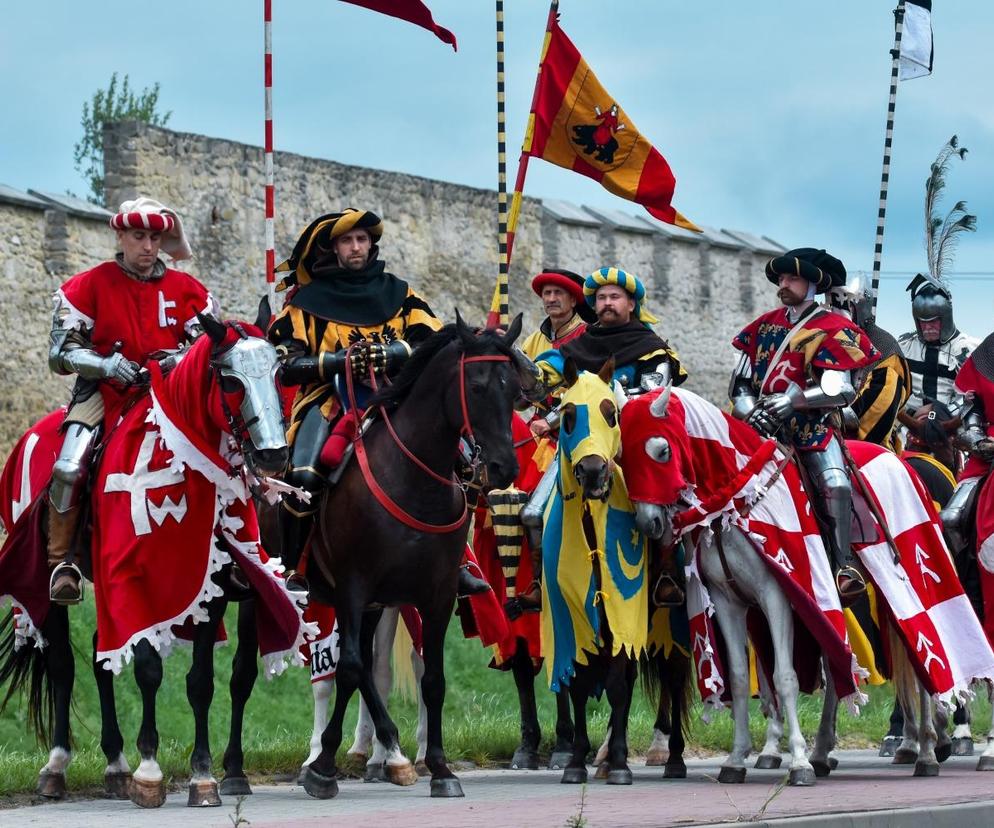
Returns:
(481, 717)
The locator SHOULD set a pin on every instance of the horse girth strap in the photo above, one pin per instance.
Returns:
(729, 577)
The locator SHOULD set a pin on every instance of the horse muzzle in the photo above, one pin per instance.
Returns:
(594, 476)
(267, 462)
(650, 520)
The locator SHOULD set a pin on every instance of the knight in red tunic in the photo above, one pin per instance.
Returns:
(797, 368)
(109, 322)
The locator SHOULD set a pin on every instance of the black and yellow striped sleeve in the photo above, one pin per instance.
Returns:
(881, 399)
(419, 320)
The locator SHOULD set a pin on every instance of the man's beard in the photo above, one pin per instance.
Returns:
(788, 298)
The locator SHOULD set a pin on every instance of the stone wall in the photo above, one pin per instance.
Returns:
(439, 236)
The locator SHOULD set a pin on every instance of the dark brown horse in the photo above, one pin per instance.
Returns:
(393, 530)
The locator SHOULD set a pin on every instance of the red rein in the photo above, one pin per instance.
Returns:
(387, 502)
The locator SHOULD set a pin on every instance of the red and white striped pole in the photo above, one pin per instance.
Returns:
(270, 175)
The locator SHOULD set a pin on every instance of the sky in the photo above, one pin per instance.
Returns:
(771, 113)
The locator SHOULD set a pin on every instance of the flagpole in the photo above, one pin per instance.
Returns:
(526, 145)
(270, 196)
(502, 251)
(888, 142)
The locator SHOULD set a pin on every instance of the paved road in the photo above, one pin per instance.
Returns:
(859, 793)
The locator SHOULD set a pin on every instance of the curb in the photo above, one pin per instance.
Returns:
(934, 816)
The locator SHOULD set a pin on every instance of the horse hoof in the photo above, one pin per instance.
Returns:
(560, 759)
(833, 763)
(821, 768)
(675, 770)
(524, 759)
(904, 756)
(147, 794)
(52, 785)
(963, 746)
(355, 763)
(318, 786)
(926, 769)
(889, 745)
(602, 771)
(985, 763)
(657, 757)
(619, 776)
(374, 773)
(446, 788)
(574, 776)
(768, 761)
(235, 786)
(116, 785)
(302, 774)
(732, 776)
(801, 778)
(422, 768)
(943, 751)
(203, 794)
(402, 775)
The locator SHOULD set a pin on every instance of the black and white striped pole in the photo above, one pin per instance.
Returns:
(502, 285)
(888, 143)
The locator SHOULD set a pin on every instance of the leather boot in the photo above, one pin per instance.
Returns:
(296, 530)
(469, 584)
(66, 584)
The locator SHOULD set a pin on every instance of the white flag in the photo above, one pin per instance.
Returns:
(916, 39)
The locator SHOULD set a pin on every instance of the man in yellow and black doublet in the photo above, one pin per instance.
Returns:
(341, 296)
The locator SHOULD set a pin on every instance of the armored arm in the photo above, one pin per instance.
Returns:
(68, 354)
(300, 368)
(972, 435)
(741, 390)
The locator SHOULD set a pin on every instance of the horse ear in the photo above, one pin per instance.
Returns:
(513, 332)
(264, 315)
(607, 370)
(658, 406)
(217, 331)
(465, 332)
(570, 372)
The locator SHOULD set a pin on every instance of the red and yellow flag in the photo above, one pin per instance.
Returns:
(576, 124)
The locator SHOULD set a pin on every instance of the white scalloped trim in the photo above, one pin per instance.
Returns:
(24, 628)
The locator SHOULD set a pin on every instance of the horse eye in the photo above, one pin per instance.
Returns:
(230, 385)
(569, 418)
(658, 449)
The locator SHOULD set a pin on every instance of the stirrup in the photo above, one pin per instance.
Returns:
(296, 583)
(855, 577)
(66, 568)
(665, 579)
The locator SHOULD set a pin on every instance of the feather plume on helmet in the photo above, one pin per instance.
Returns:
(315, 243)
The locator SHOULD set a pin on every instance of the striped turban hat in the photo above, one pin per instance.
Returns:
(823, 270)
(148, 214)
(626, 281)
(314, 243)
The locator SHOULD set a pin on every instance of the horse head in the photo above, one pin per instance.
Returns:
(488, 384)
(589, 436)
(244, 366)
(656, 461)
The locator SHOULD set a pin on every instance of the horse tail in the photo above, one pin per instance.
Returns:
(403, 670)
(23, 669)
(649, 675)
(667, 677)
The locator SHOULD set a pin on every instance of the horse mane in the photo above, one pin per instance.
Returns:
(391, 396)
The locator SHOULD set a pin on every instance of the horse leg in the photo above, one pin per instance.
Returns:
(676, 680)
(778, 617)
(576, 771)
(907, 752)
(986, 760)
(526, 754)
(244, 672)
(117, 774)
(619, 686)
(319, 777)
(364, 753)
(376, 644)
(60, 667)
(321, 691)
(203, 788)
(421, 734)
(943, 744)
(732, 619)
(769, 757)
(962, 743)
(825, 740)
(147, 789)
(892, 741)
(927, 764)
(658, 753)
(563, 747)
(443, 782)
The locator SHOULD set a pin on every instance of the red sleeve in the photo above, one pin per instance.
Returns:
(79, 292)
(968, 378)
(746, 339)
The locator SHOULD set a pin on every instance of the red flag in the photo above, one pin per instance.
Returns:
(413, 11)
(576, 124)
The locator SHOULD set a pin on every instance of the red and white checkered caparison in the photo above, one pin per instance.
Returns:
(159, 222)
